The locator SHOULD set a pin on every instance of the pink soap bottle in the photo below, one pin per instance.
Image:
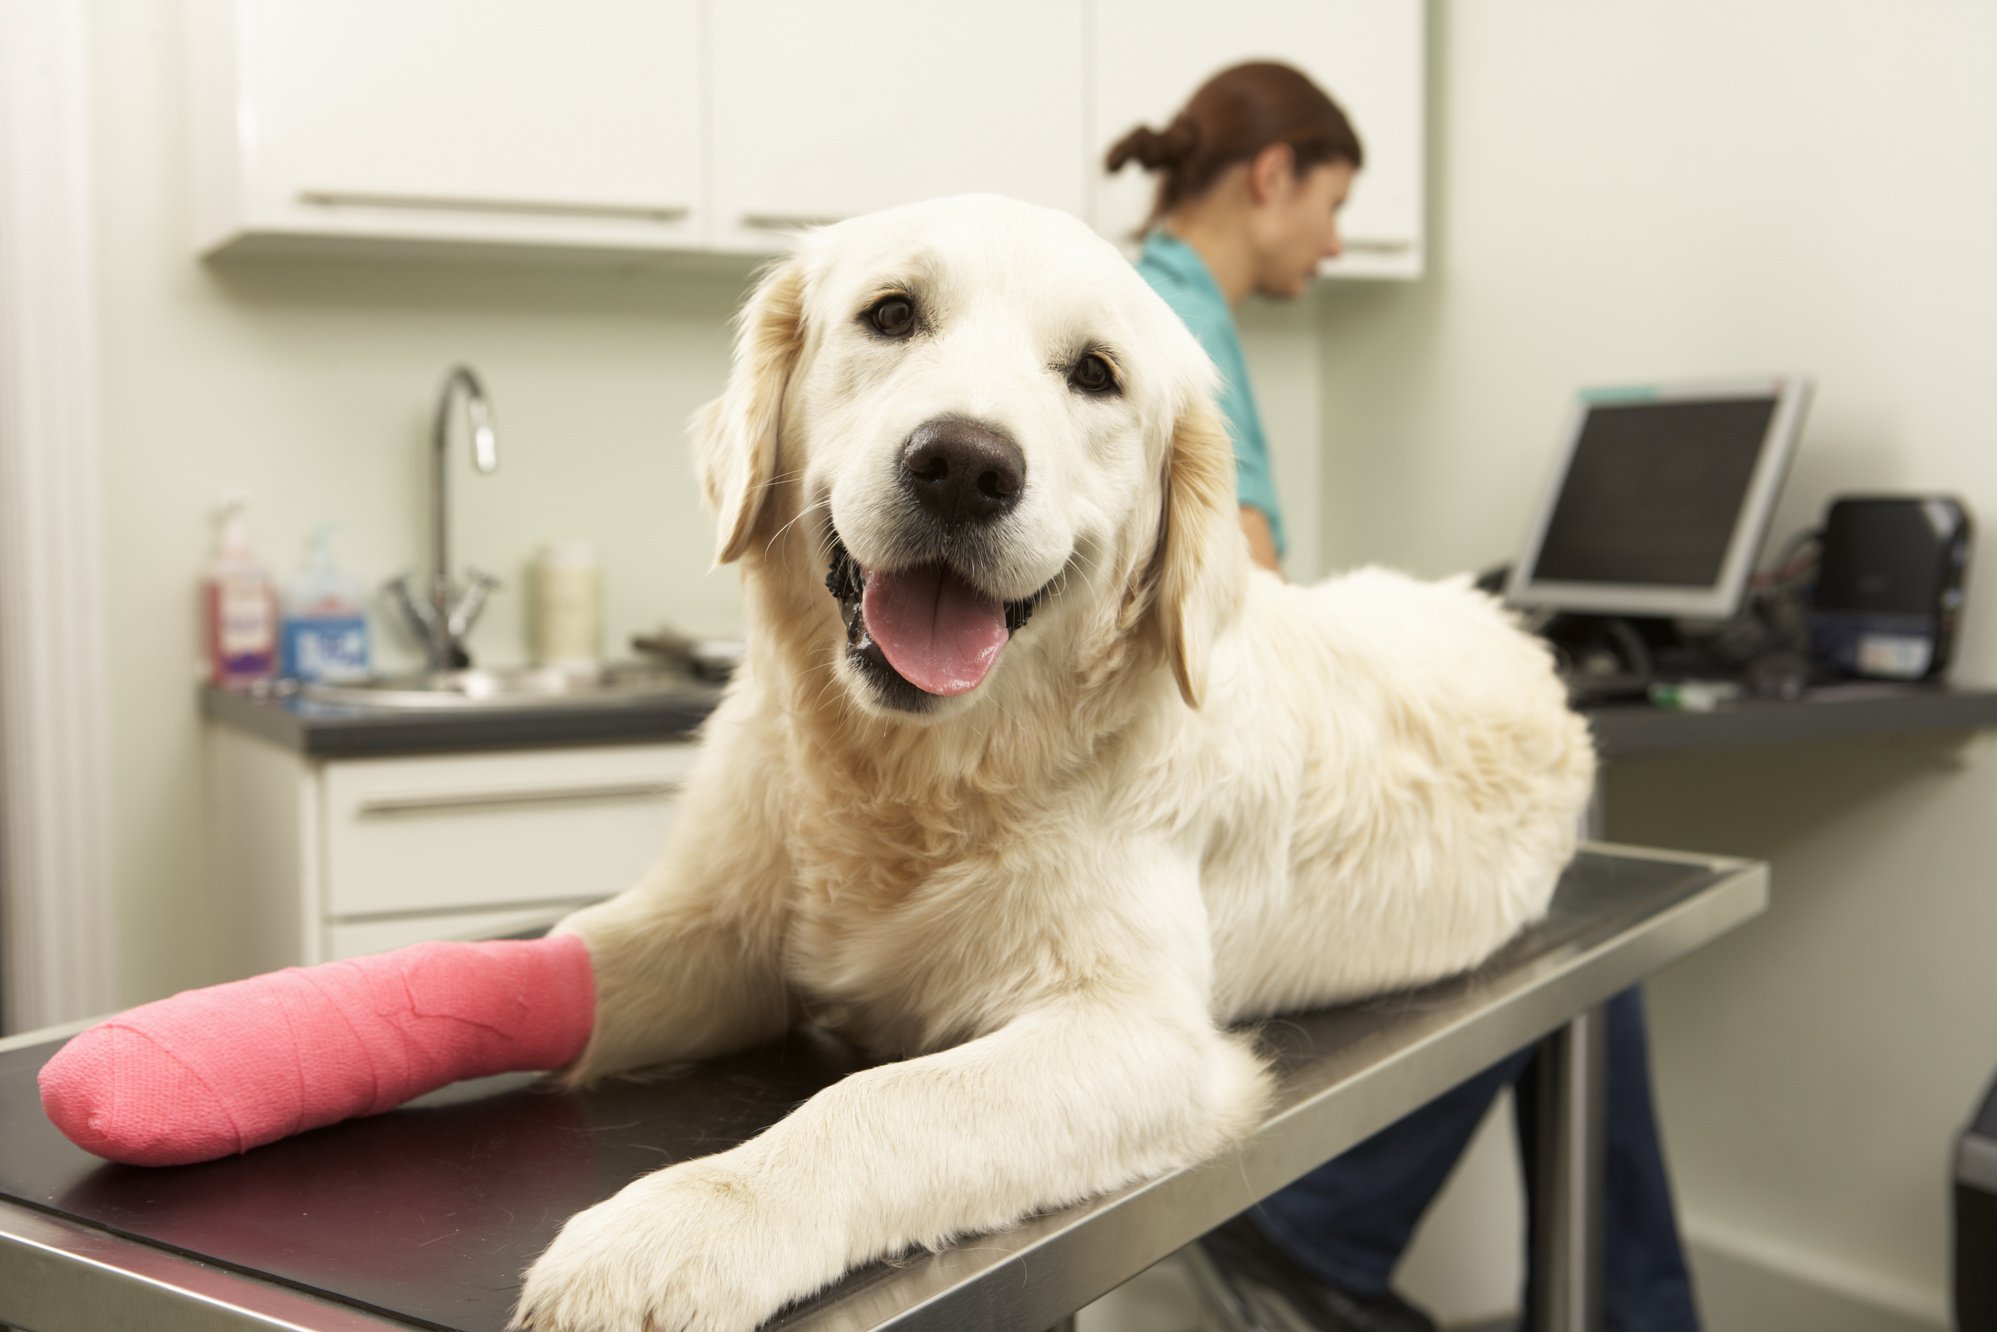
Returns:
(238, 605)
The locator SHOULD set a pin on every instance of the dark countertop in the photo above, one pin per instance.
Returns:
(425, 1216)
(1829, 712)
(1622, 730)
(337, 730)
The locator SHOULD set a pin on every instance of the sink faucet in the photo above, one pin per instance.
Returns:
(443, 616)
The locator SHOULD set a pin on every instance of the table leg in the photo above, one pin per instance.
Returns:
(1227, 1308)
(1567, 1195)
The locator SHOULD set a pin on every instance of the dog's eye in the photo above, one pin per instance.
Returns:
(1092, 375)
(891, 316)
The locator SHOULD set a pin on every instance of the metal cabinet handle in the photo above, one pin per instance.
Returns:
(788, 221)
(1359, 245)
(451, 203)
(530, 796)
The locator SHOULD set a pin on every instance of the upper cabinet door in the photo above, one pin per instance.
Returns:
(631, 126)
(495, 120)
(822, 111)
(1368, 54)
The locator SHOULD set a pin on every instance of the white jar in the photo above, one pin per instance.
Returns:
(568, 605)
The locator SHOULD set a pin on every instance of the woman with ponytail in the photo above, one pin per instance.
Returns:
(1251, 175)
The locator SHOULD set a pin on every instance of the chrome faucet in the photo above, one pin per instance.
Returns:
(444, 615)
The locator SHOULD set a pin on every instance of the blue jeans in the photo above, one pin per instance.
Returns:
(1348, 1221)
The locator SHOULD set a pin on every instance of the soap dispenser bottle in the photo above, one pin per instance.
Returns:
(325, 629)
(237, 605)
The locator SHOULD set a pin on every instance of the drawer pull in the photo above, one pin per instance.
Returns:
(786, 221)
(468, 204)
(493, 799)
(1360, 245)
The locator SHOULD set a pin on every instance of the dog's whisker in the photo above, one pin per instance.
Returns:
(802, 513)
(1092, 564)
(1000, 708)
(780, 479)
(831, 679)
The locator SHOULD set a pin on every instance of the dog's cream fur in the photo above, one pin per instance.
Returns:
(1187, 794)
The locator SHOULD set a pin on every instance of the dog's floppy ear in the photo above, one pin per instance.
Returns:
(735, 436)
(1202, 557)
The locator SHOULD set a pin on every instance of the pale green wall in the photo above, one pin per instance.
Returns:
(310, 384)
(1633, 191)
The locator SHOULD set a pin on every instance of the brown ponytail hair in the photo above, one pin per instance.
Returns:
(1234, 116)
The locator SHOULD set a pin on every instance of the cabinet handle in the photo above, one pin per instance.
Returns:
(467, 204)
(1360, 246)
(788, 221)
(545, 796)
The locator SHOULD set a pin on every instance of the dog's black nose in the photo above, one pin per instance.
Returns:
(963, 472)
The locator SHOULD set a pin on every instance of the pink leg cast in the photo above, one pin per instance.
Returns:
(212, 1072)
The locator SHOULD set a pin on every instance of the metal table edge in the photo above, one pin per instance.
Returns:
(58, 1273)
(42, 1035)
(155, 1287)
(1020, 1271)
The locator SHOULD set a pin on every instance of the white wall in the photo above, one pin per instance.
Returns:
(310, 383)
(1637, 191)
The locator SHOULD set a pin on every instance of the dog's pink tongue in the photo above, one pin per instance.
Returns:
(937, 630)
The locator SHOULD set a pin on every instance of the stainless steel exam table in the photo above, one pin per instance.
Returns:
(424, 1217)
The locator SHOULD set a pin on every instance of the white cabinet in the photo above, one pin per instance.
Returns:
(1368, 54)
(467, 120)
(329, 858)
(823, 111)
(634, 127)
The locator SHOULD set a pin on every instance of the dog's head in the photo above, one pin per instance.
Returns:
(990, 438)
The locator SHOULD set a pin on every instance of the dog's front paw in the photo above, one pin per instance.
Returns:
(692, 1248)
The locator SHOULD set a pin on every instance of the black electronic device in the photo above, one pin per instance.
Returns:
(1659, 502)
(1660, 499)
(1889, 587)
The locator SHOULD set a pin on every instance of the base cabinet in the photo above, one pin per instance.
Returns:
(326, 859)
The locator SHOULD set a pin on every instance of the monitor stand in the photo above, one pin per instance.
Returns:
(1613, 656)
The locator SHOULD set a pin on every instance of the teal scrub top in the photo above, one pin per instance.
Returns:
(1176, 272)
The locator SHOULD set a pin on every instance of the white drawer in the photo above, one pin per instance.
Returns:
(357, 938)
(469, 832)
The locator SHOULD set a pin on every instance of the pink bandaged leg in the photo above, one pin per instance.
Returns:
(212, 1072)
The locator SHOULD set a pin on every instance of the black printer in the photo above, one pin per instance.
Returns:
(1890, 586)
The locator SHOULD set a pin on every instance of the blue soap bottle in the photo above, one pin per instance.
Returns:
(325, 629)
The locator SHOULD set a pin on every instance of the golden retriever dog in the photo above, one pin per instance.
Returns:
(1028, 779)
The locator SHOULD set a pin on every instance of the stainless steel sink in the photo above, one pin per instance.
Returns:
(524, 687)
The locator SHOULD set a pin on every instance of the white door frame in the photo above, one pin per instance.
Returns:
(57, 922)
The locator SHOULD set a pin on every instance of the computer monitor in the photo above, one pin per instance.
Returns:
(1661, 498)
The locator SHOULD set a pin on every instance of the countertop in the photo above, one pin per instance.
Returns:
(337, 730)
(1622, 730)
(1827, 712)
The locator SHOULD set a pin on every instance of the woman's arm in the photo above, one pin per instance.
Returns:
(1261, 540)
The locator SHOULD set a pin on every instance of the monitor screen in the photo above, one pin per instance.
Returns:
(1662, 498)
